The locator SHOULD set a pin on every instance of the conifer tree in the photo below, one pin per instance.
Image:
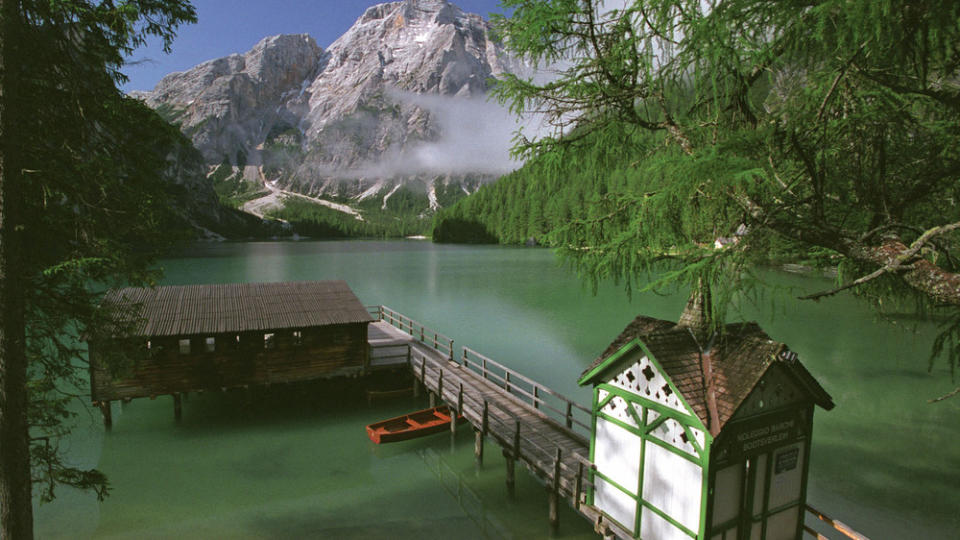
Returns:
(820, 131)
(81, 201)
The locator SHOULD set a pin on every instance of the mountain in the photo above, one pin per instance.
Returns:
(356, 124)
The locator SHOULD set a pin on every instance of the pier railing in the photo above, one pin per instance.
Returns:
(568, 475)
(555, 405)
(421, 333)
(840, 526)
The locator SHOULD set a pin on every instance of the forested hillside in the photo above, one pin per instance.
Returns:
(536, 202)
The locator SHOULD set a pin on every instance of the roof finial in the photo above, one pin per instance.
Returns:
(698, 314)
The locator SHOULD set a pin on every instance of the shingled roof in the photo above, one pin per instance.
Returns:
(235, 307)
(741, 355)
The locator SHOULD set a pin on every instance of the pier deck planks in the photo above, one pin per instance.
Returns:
(540, 436)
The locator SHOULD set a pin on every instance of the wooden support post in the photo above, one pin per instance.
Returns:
(536, 397)
(579, 488)
(107, 414)
(569, 415)
(457, 412)
(433, 400)
(177, 408)
(511, 481)
(465, 361)
(484, 422)
(440, 385)
(416, 383)
(506, 385)
(555, 496)
(423, 371)
(451, 349)
(478, 446)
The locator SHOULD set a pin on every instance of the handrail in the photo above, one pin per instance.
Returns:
(513, 382)
(506, 429)
(418, 331)
(840, 526)
(517, 385)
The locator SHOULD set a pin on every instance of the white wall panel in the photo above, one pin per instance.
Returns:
(655, 527)
(615, 503)
(672, 484)
(617, 454)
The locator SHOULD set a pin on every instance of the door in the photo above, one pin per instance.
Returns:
(772, 494)
(760, 497)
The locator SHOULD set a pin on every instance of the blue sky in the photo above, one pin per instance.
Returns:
(231, 26)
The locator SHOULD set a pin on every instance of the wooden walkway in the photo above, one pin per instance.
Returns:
(533, 425)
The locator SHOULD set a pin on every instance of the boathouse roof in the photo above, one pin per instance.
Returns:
(740, 355)
(234, 307)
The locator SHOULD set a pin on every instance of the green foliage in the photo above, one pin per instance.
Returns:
(282, 152)
(825, 132)
(232, 189)
(448, 194)
(461, 231)
(86, 202)
(399, 219)
(170, 113)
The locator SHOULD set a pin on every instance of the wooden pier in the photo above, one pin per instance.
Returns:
(534, 425)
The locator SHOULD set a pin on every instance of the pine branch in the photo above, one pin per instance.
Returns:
(836, 80)
(930, 279)
(945, 396)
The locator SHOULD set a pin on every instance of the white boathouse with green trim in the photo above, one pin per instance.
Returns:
(701, 436)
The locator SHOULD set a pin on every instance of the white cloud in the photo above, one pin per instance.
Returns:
(476, 135)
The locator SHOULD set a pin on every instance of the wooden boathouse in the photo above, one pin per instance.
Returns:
(177, 339)
(701, 433)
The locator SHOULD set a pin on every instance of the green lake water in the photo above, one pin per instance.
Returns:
(299, 465)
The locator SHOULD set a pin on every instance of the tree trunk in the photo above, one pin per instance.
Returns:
(16, 508)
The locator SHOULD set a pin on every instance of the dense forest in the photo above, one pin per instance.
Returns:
(531, 204)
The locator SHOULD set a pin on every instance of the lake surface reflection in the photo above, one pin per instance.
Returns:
(884, 461)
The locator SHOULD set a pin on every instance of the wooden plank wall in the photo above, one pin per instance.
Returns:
(239, 360)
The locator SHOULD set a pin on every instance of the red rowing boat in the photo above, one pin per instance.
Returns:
(412, 425)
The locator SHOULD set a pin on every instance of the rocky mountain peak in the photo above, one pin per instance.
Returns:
(308, 118)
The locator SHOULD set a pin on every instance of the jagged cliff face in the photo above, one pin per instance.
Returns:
(323, 122)
(228, 105)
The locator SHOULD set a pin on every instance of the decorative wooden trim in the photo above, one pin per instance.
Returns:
(608, 363)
